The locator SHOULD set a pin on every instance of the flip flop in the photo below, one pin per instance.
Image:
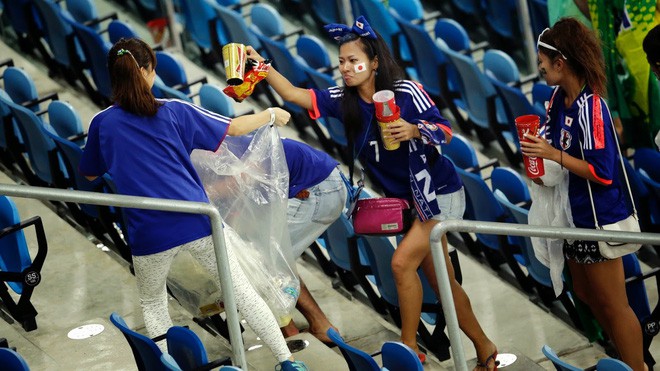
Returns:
(490, 357)
(422, 357)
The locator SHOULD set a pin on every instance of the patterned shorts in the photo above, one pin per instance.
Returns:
(583, 252)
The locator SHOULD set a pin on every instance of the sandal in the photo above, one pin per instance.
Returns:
(492, 357)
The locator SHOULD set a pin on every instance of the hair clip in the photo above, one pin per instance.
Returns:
(121, 52)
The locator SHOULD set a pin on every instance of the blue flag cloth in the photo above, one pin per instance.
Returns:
(421, 183)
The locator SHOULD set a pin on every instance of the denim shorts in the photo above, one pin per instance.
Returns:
(307, 219)
(452, 206)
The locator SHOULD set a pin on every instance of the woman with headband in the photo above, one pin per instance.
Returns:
(367, 66)
(580, 137)
(144, 144)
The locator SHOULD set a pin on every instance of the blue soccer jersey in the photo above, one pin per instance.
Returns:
(150, 157)
(391, 168)
(307, 166)
(587, 123)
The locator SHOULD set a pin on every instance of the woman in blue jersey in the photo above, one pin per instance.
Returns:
(144, 144)
(579, 136)
(367, 66)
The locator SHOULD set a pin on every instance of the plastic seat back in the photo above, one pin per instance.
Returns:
(64, 119)
(171, 71)
(199, 16)
(559, 364)
(453, 34)
(12, 361)
(476, 89)
(502, 17)
(647, 159)
(501, 66)
(96, 51)
(235, 27)
(214, 99)
(186, 348)
(266, 18)
(399, 356)
(119, 29)
(611, 364)
(509, 182)
(485, 206)
(82, 11)
(313, 51)
(356, 358)
(58, 32)
(462, 153)
(20, 86)
(325, 11)
(382, 22)
(161, 90)
(169, 363)
(40, 148)
(408, 9)
(146, 352)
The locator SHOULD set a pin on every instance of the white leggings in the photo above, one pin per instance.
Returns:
(151, 273)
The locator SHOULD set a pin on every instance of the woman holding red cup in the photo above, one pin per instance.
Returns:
(578, 135)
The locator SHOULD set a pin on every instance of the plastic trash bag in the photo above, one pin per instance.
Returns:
(550, 207)
(247, 179)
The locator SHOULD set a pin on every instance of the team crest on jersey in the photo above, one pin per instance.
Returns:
(565, 138)
(431, 127)
(568, 121)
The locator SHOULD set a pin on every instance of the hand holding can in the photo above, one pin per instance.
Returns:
(529, 124)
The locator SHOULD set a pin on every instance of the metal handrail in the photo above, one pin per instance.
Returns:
(161, 204)
(509, 229)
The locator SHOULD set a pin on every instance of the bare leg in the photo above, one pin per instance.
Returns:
(318, 322)
(466, 318)
(605, 293)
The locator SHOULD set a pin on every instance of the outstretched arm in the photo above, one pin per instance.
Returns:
(282, 86)
(247, 123)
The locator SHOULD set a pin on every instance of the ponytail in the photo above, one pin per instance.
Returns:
(130, 90)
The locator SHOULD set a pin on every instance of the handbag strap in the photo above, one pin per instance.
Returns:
(623, 168)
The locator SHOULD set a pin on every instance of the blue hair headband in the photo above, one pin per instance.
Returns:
(360, 28)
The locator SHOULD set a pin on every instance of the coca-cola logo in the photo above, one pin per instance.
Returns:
(532, 166)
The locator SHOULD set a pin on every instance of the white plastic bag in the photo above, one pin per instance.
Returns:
(247, 179)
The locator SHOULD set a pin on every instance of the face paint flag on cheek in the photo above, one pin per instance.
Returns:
(360, 67)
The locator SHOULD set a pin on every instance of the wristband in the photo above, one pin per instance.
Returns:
(272, 116)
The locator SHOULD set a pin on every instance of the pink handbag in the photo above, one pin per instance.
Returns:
(381, 216)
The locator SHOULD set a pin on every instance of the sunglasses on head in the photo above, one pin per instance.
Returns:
(548, 46)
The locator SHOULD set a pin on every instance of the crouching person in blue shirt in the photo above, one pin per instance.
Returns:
(144, 144)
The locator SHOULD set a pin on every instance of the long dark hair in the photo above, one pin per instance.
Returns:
(129, 88)
(651, 45)
(582, 50)
(388, 72)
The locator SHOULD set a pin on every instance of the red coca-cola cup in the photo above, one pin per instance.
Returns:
(529, 124)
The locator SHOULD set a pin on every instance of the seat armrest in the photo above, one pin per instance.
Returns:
(42, 243)
(283, 36)
(226, 361)
(30, 103)
(201, 80)
(527, 79)
(7, 62)
(428, 17)
(77, 137)
(96, 21)
(491, 162)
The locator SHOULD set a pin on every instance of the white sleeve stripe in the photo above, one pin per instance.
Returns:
(419, 98)
(213, 115)
(417, 93)
(100, 112)
(585, 122)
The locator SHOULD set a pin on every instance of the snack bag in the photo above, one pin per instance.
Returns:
(255, 72)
